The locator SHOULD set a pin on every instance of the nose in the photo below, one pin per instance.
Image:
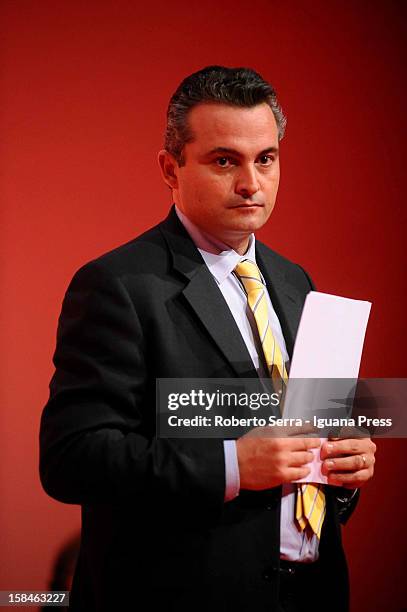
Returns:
(247, 182)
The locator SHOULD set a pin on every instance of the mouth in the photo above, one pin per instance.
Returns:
(248, 205)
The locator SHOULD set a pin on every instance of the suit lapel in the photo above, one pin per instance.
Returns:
(205, 298)
(209, 304)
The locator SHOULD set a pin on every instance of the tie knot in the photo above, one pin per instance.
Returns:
(249, 274)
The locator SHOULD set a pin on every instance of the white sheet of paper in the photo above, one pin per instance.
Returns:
(329, 344)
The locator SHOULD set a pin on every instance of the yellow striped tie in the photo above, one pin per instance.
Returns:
(310, 502)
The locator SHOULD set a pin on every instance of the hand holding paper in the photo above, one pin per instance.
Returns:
(329, 345)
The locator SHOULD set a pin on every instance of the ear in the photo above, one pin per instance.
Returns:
(168, 166)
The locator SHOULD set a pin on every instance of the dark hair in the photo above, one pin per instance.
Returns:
(234, 86)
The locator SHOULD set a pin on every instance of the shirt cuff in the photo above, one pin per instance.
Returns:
(232, 476)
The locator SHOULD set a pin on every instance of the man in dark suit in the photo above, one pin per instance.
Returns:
(192, 524)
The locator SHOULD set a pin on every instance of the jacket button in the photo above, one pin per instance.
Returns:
(268, 573)
(269, 508)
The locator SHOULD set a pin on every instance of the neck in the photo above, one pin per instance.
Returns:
(240, 244)
(238, 241)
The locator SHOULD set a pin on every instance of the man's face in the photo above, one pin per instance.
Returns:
(229, 182)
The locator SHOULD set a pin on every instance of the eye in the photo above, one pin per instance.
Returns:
(266, 160)
(223, 162)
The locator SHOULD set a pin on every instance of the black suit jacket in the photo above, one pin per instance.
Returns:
(155, 526)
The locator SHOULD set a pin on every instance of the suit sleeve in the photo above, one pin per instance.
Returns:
(97, 442)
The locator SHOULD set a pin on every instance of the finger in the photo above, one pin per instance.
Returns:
(302, 444)
(300, 458)
(352, 463)
(347, 447)
(350, 479)
(292, 474)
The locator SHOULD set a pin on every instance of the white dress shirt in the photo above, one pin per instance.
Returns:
(221, 260)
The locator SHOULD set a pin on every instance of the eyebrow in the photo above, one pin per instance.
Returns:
(237, 153)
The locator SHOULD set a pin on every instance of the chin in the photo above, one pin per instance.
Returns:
(251, 225)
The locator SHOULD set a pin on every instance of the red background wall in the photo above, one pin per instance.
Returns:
(85, 88)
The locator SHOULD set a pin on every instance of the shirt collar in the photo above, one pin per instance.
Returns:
(220, 258)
